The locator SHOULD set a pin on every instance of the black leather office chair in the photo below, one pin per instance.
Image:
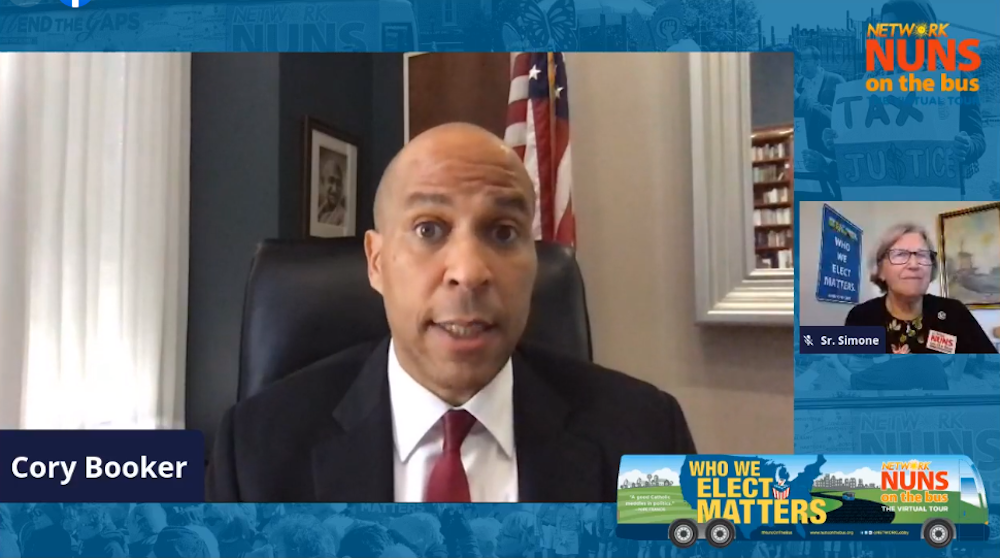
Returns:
(307, 300)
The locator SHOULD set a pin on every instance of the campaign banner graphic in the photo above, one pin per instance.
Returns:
(875, 423)
(725, 498)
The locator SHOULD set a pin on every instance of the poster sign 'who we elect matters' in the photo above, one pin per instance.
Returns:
(839, 259)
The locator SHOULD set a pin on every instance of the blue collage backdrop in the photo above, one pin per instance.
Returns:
(830, 417)
(834, 414)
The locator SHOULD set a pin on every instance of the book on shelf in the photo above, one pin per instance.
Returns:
(774, 195)
(774, 239)
(769, 151)
(771, 173)
(777, 216)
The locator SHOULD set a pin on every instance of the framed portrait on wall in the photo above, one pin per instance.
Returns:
(970, 255)
(330, 177)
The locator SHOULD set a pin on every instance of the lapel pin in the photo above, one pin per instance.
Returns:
(942, 315)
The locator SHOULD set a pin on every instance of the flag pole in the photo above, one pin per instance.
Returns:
(554, 172)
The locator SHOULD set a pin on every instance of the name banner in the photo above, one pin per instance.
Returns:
(102, 466)
(896, 138)
(839, 274)
(830, 340)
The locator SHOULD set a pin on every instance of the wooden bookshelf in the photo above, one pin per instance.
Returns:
(769, 205)
(773, 190)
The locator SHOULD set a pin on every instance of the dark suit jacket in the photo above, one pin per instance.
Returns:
(818, 120)
(324, 434)
(957, 321)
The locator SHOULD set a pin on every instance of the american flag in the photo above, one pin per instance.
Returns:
(538, 130)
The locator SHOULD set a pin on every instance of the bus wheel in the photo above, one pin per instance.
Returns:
(938, 533)
(683, 533)
(720, 533)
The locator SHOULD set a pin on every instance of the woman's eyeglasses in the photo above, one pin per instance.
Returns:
(900, 257)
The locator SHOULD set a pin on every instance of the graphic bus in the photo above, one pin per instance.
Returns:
(726, 498)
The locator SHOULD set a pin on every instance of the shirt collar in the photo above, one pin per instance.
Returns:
(415, 410)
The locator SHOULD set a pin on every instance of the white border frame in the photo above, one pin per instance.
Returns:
(406, 94)
(729, 289)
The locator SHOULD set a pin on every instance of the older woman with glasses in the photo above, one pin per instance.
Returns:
(903, 266)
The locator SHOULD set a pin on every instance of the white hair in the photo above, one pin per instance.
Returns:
(886, 242)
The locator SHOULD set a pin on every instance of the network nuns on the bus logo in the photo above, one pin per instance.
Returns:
(75, 3)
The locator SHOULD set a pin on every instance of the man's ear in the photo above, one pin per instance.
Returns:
(373, 252)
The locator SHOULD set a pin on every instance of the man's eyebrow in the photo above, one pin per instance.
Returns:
(427, 198)
(515, 202)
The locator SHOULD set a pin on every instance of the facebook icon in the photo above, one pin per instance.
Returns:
(75, 3)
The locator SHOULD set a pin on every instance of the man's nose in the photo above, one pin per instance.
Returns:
(467, 266)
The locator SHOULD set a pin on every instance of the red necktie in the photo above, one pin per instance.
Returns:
(448, 482)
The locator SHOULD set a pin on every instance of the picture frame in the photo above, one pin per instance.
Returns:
(970, 255)
(331, 159)
(407, 56)
(729, 288)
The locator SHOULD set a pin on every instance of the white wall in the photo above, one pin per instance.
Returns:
(874, 218)
(633, 201)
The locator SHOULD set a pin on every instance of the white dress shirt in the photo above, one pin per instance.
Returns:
(418, 435)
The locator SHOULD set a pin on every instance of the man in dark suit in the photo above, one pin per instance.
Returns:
(815, 91)
(452, 408)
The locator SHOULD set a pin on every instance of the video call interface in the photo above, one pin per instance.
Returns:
(510, 278)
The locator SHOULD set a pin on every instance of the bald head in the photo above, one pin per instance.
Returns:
(448, 145)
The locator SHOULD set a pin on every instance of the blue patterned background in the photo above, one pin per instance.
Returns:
(829, 416)
(467, 25)
(389, 530)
